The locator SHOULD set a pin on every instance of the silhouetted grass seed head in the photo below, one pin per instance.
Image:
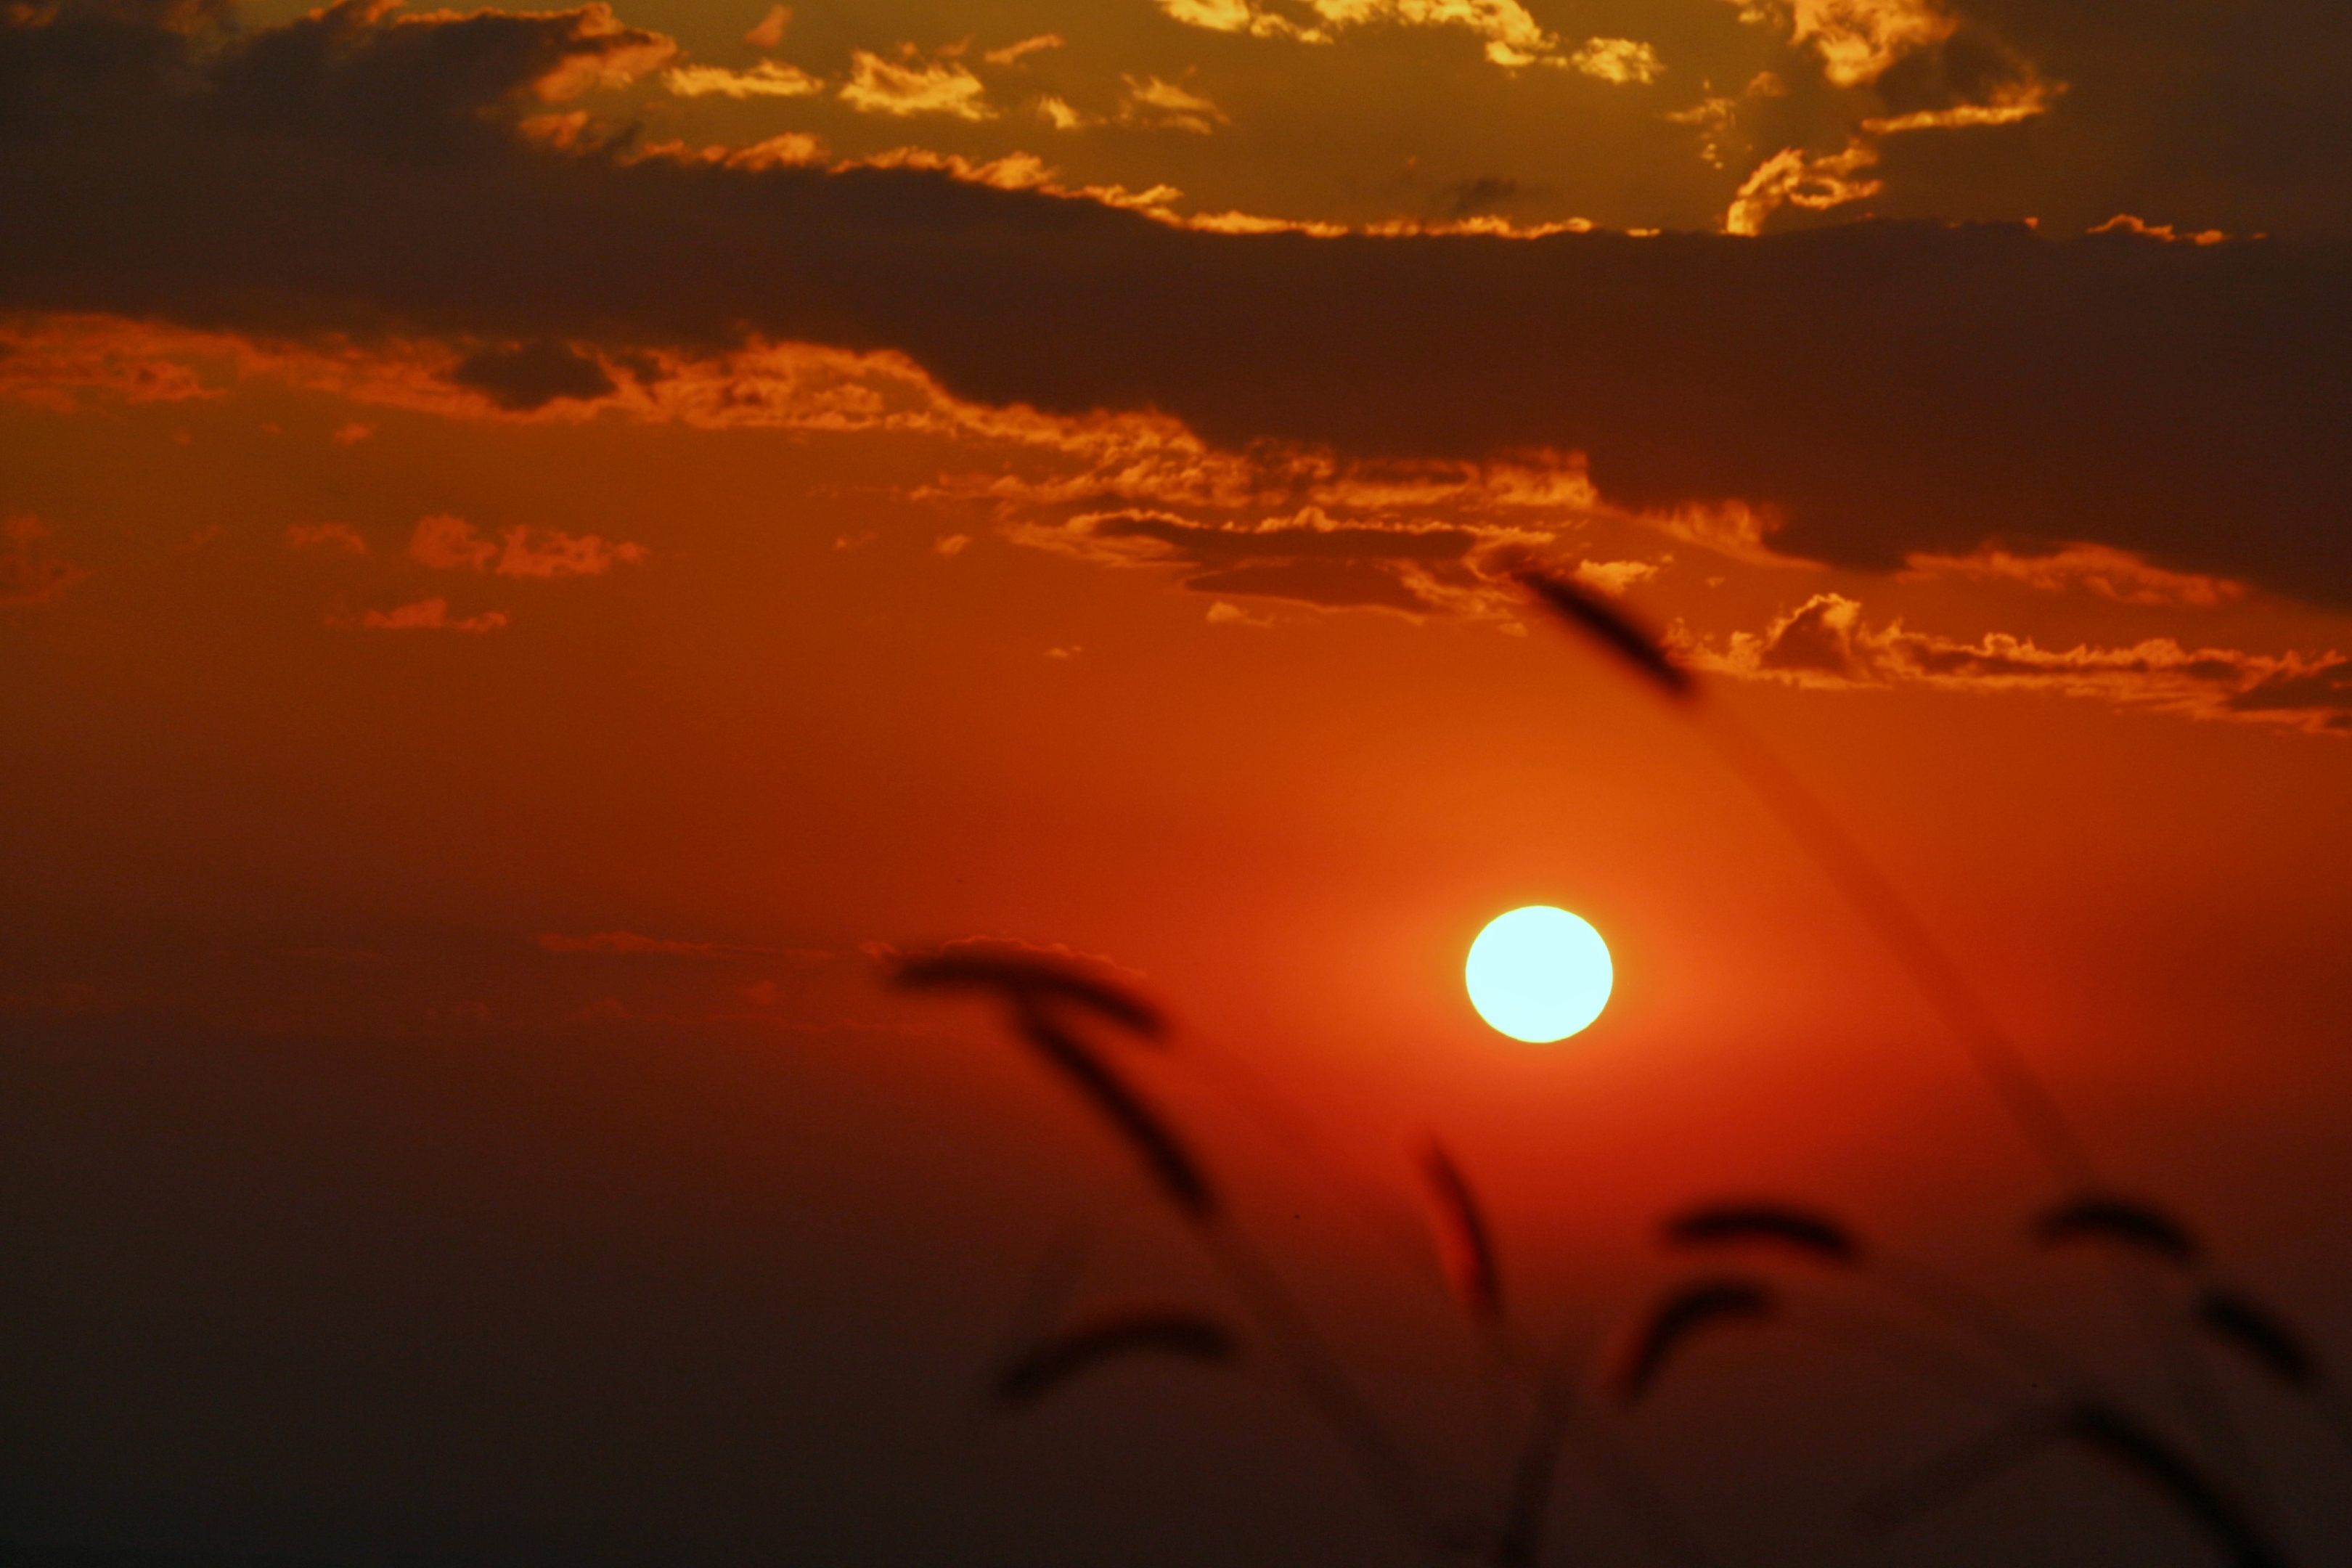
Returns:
(1023, 978)
(1111, 1334)
(1807, 1231)
(1596, 617)
(1676, 1320)
(2124, 1222)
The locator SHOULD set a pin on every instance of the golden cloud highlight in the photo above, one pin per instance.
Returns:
(876, 86)
(2124, 224)
(2009, 103)
(1158, 105)
(1508, 33)
(1623, 61)
(1792, 177)
(1013, 54)
(768, 79)
(1857, 40)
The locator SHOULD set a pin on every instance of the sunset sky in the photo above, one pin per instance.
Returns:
(542, 553)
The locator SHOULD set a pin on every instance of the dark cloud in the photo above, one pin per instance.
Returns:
(1887, 387)
(532, 375)
(2200, 113)
(1472, 197)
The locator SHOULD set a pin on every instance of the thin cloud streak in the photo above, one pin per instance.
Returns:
(1826, 643)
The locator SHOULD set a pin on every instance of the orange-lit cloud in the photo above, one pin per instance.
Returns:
(768, 31)
(1625, 61)
(1826, 643)
(560, 554)
(31, 571)
(877, 86)
(1420, 567)
(1884, 390)
(1162, 105)
(1237, 16)
(2008, 103)
(51, 362)
(1857, 40)
(1795, 178)
(2124, 224)
(768, 79)
(1223, 613)
(429, 615)
(1013, 54)
(1716, 120)
(311, 536)
(1507, 32)
(444, 543)
(592, 48)
(448, 543)
(2117, 574)
(1613, 577)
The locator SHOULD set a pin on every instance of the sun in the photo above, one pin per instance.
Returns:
(1539, 975)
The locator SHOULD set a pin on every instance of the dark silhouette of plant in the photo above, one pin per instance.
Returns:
(2096, 1216)
(1049, 1003)
(1675, 1320)
(1107, 1335)
(1465, 1240)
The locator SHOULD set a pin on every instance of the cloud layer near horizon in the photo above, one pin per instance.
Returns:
(1885, 389)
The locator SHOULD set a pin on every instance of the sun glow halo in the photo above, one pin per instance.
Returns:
(1538, 974)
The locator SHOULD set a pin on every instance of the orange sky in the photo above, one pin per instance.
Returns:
(541, 549)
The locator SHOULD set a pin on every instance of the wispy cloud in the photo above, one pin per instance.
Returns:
(1168, 106)
(1013, 54)
(2110, 574)
(451, 543)
(2008, 103)
(51, 362)
(877, 86)
(2126, 223)
(768, 31)
(1417, 566)
(1857, 40)
(1792, 177)
(1625, 61)
(314, 535)
(429, 615)
(768, 79)
(1825, 642)
(1507, 32)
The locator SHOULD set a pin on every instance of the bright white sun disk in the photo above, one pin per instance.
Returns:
(1538, 974)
